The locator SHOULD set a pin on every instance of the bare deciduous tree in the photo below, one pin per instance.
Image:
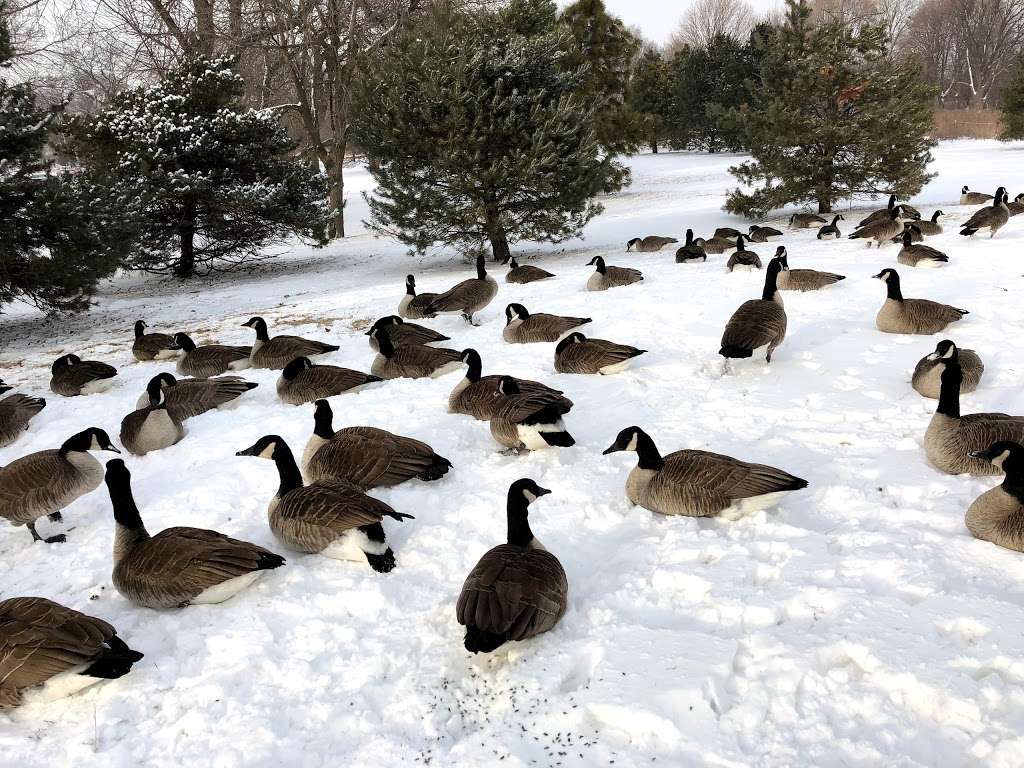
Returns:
(707, 19)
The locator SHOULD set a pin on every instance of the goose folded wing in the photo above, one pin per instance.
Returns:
(335, 506)
(456, 297)
(754, 324)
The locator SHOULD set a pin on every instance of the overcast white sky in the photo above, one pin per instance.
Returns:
(658, 18)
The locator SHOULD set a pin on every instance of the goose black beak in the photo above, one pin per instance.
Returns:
(983, 455)
(112, 449)
(250, 451)
(543, 491)
(610, 449)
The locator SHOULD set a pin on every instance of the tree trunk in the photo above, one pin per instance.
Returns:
(186, 266)
(654, 146)
(496, 232)
(824, 203)
(336, 190)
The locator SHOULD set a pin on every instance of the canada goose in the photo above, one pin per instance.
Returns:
(927, 378)
(698, 483)
(991, 217)
(884, 214)
(757, 323)
(332, 518)
(517, 590)
(72, 376)
(478, 396)
(578, 354)
(209, 359)
(998, 514)
(366, 456)
(742, 258)
(690, 251)
(929, 227)
(153, 346)
(606, 277)
(916, 316)
(951, 438)
(973, 198)
(831, 231)
(919, 255)
(727, 233)
(410, 362)
(403, 334)
(1016, 205)
(41, 484)
(527, 421)
(759, 234)
(881, 231)
(802, 279)
(805, 220)
(649, 244)
(525, 273)
(15, 413)
(188, 398)
(151, 428)
(911, 231)
(178, 566)
(302, 381)
(521, 327)
(413, 307)
(469, 296)
(277, 352)
(715, 245)
(48, 651)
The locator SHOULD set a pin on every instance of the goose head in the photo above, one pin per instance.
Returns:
(631, 243)
(91, 439)
(527, 489)
(264, 448)
(64, 361)
(1004, 454)
(515, 312)
(295, 367)
(597, 263)
(385, 321)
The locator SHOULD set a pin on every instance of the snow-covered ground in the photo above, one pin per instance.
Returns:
(858, 624)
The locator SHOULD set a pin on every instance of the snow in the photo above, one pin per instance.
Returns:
(856, 624)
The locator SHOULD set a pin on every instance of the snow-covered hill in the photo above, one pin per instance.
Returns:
(858, 624)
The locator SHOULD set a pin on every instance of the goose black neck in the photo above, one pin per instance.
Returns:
(261, 332)
(647, 453)
(126, 512)
(410, 290)
(739, 243)
(949, 391)
(474, 367)
(384, 345)
(139, 330)
(481, 268)
(599, 265)
(1013, 483)
(287, 469)
(892, 288)
(323, 423)
(771, 281)
(519, 533)
(892, 201)
(935, 217)
(834, 220)
(689, 237)
(186, 343)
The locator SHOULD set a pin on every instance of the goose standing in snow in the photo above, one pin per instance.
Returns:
(528, 422)
(998, 514)
(522, 327)
(931, 227)
(881, 231)
(16, 411)
(153, 346)
(525, 273)
(480, 397)
(518, 589)
(698, 483)
(951, 437)
(802, 279)
(209, 359)
(277, 352)
(606, 277)
(303, 381)
(649, 244)
(73, 376)
(927, 377)
(178, 566)
(411, 362)
(742, 258)
(917, 255)
(757, 323)
(831, 231)
(413, 307)
(188, 398)
(48, 651)
(332, 518)
(41, 484)
(690, 251)
(578, 354)
(916, 316)
(403, 334)
(469, 296)
(151, 428)
(367, 457)
(991, 217)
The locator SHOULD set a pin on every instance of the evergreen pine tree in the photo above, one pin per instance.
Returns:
(216, 180)
(58, 235)
(478, 133)
(603, 45)
(830, 116)
(1012, 104)
(650, 98)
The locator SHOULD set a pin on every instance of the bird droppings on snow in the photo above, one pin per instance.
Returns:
(857, 623)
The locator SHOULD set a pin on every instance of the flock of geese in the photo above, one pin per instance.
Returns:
(324, 503)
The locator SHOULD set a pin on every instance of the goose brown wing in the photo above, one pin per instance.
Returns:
(317, 514)
(977, 431)
(755, 323)
(925, 309)
(422, 361)
(188, 399)
(412, 333)
(514, 592)
(31, 483)
(369, 459)
(324, 381)
(731, 477)
(458, 296)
